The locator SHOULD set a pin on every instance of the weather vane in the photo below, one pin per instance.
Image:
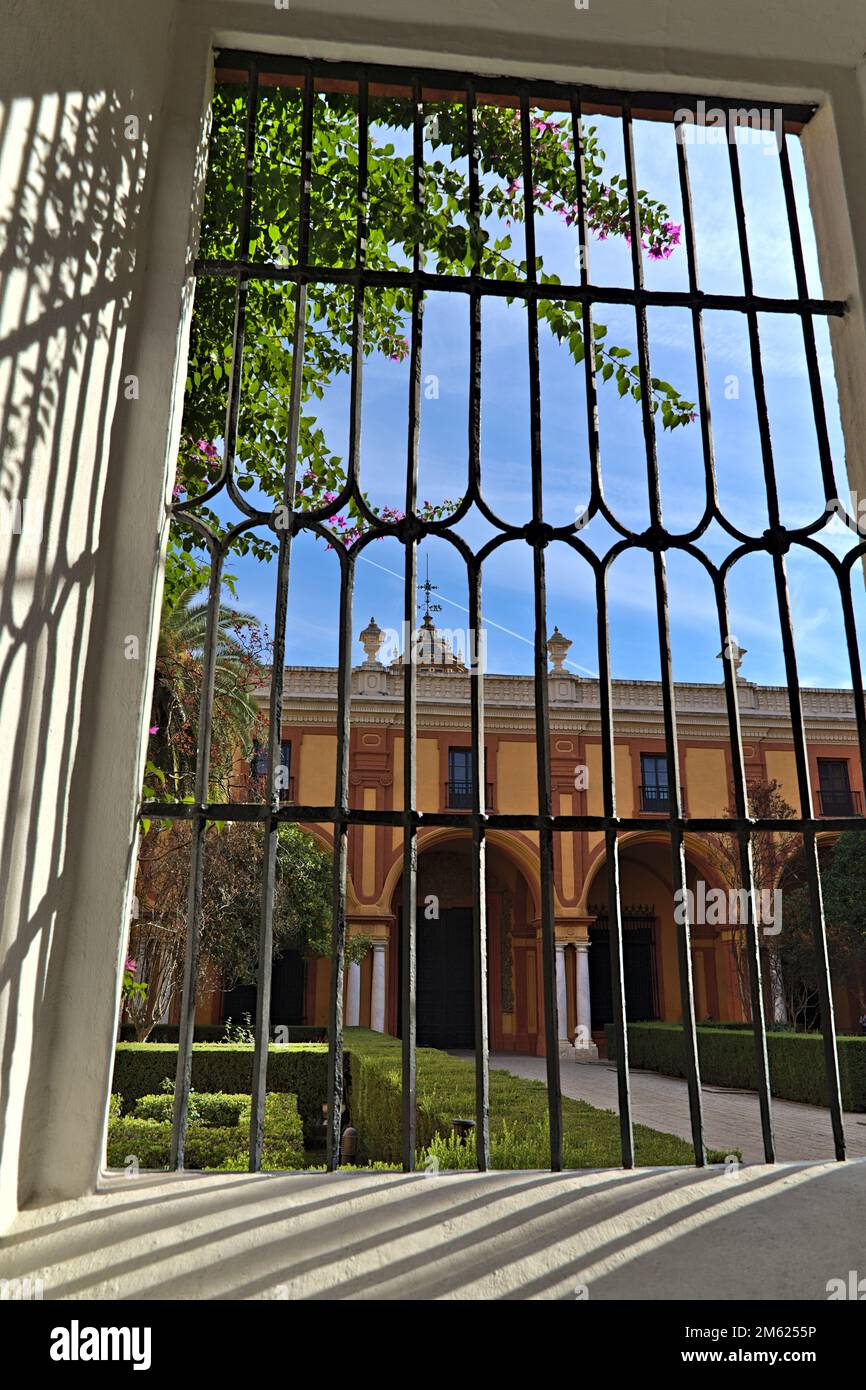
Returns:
(427, 589)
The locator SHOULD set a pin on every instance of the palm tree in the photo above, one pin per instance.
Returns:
(177, 686)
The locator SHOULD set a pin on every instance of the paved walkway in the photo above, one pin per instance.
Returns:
(731, 1118)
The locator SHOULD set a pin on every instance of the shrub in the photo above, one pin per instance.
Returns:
(518, 1115)
(727, 1058)
(213, 1110)
(299, 1068)
(217, 1134)
(216, 1032)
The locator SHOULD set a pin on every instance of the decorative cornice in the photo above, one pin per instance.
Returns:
(310, 697)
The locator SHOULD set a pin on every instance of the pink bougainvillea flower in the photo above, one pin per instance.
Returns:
(154, 729)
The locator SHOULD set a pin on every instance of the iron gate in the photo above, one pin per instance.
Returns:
(241, 270)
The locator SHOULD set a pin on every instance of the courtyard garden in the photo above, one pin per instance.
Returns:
(140, 1120)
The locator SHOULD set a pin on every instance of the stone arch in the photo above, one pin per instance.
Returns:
(512, 938)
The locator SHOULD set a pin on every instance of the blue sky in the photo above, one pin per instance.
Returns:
(312, 626)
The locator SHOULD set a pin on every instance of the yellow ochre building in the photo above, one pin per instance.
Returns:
(444, 771)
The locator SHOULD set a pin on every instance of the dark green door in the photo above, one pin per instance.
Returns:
(444, 1008)
(638, 962)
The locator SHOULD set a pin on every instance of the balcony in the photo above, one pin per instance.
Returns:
(840, 801)
(458, 796)
(657, 800)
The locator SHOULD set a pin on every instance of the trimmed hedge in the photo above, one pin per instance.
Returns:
(215, 1032)
(297, 1068)
(518, 1114)
(727, 1058)
(217, 1135)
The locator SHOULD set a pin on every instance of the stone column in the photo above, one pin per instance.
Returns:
(561, 994)
(353, 995)
(583, 1051)
(377, 999)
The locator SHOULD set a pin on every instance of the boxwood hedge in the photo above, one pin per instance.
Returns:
(215, 1032)
(299, 1068)
(518, 1114)
(217, 1134)
(445, 1091)
(727, 1058)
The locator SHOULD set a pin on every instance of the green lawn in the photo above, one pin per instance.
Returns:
(518, 1114)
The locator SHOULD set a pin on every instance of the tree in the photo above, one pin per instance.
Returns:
(231, 908)
(241, 651)
(772, 855)
(450, 243)
(843, 883)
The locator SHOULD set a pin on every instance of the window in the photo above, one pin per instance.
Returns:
(654, 783)
(284, 781)
(273, 253)
(459, 787)
(835, 794)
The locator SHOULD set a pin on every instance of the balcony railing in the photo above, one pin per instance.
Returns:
(657, 800)
(840, 802)
(458, 796)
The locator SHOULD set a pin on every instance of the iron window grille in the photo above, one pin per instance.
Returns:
(240, 270)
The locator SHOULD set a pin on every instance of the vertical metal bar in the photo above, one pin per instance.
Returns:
(611, 847)
(542, 710)
(810, 847)
(825, 452)
(611, 842)
(732, 704)
(344, 686)
(747, 878)
(266, 923)
(410, 682)
(777, 545)
(660, 541)
(341, 866)
(476, 691)
(186, 1032)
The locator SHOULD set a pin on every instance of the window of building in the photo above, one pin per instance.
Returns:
(284, 781)
(654, 795)
(834, 791)
(461, 780)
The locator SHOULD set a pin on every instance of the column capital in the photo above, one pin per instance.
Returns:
(377, 929)
(573, 930)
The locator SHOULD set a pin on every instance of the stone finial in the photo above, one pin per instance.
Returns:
(371, 640)
(558, 647)
(733, 652)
